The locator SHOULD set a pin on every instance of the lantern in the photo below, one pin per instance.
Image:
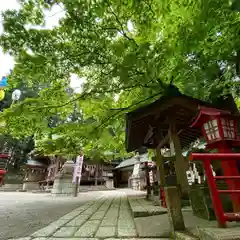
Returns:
(16, 95)
(217, 125)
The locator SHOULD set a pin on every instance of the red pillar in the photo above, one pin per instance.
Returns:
(214, 194)
(230, 169)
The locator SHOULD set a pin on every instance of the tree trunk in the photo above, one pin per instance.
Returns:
(180, 164)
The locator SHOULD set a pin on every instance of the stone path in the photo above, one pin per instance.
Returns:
(108, 217)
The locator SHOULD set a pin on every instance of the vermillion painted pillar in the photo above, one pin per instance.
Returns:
(180, 164)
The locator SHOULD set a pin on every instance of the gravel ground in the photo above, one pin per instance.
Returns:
(21, 214)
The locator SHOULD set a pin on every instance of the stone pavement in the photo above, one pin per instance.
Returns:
(108, 217)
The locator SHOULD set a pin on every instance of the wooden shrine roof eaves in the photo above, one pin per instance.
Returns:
(156, 116)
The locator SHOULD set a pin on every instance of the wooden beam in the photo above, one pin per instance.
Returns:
(149, 134)
(180, 165)
(160, 167)
(166, 140)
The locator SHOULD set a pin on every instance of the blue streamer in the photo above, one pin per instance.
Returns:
(3, 82)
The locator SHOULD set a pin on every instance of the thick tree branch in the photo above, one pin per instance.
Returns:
(121, 25)
(87, 94)
(126, 108)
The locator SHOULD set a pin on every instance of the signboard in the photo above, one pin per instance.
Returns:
(77, 173)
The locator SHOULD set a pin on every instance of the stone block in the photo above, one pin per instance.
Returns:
(104, 207)
(30, 186)
(109, 184)
(25, 238)
(126, 228)
(65, 232)
(232, 233)
(115, 205)
(128, 222)
(40, 238)
(50, 229)
(184, 236)
(124, 206)
(111, 215)
(126, 231)
(63, 184)
(109, 221)
(83, 208)
(124, 214)
(88, 229)
(153, 226)
(78, 221)
(53, 238)
(98, 215)
(92, 209)
(135, 239)
(70, 215)
(104, 232)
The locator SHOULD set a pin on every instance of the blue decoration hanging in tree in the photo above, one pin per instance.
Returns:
(3, 82)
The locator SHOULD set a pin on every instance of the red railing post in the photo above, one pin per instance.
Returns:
(214, 194)
(162, 197)
(230, 169)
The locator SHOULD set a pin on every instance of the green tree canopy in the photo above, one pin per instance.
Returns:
(126, 49)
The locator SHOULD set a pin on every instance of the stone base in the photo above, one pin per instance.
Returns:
(155, 199)
(63, 185)
(29, 186)
(232, 233)
(184, 236)
(140, 207)
(136, 183)
(11, 187)
(109, 184)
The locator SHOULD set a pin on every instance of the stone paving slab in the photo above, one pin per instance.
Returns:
(53, 238)
(153, 226)
(137, 239)
(140, 207)
(107, 218)
(27, 238)
(78, 221)
(219, 233)
(88, 229)
(104, 232)
(65, 232)
(50, 229)
(185, 236)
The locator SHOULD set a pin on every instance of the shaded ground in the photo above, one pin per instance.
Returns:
(21, 214)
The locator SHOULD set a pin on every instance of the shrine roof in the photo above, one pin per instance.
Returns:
(155, 117)
(131, 161)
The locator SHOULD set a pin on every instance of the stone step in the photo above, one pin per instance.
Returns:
(185, 236)
(41, 191)
(140, 207)
(230, 233)
(10, 187)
